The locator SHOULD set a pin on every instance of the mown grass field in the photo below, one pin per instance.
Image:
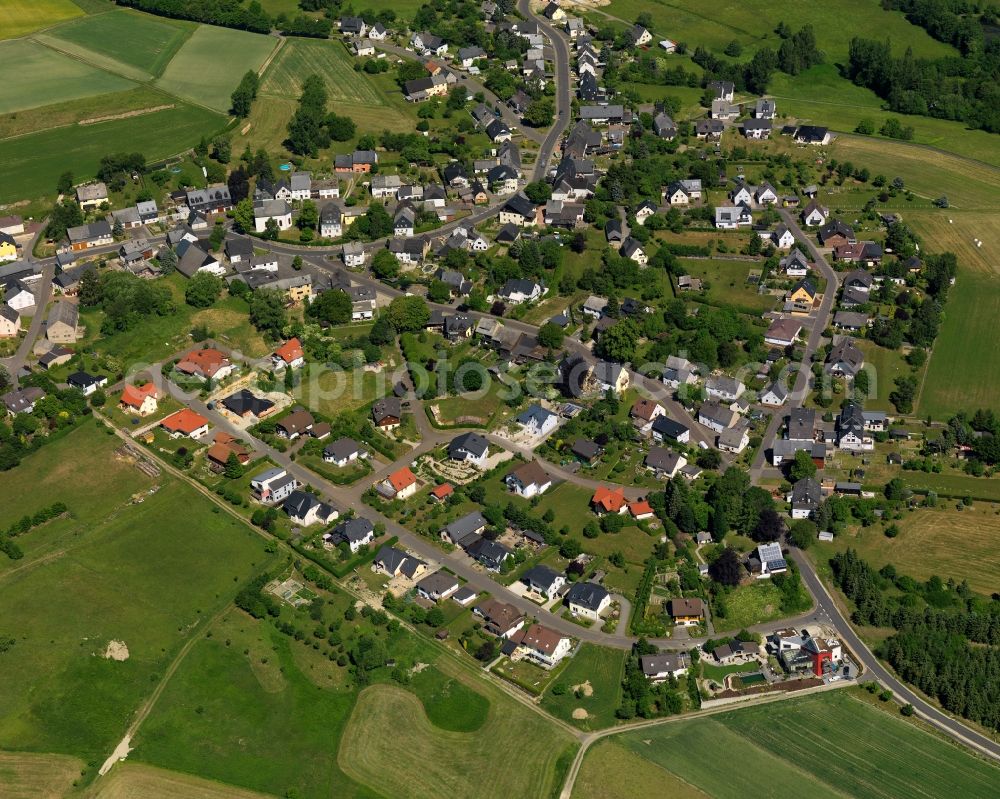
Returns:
(83, 109)
(391, 746)
(750, 604)
(954, 484)
(939, 541)
(956, 231)
(728, 283)
(752, 24)
(888, 365)
(34, 162)
(125, 37)
(253, 720)
(603, 668)
(129, 780)
(612, 772)
(829, 745)
(24, 16)
(108, 583)
(821, 96)
(929, 173)
(24, 775)
(54, 77)
(965, 361)
(209, 65)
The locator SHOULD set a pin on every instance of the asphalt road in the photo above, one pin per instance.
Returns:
(474, 86)
(821, 319)
(563, 94)
(825, 610)
(828, 609)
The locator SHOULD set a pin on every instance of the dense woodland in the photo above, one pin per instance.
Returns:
(965, 88)
(947, 641)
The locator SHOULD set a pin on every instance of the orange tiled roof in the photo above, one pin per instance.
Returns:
(184, 421)
(443, 490)
(134, 395)
(290, 350)
(640, 508)
(609, 499)
(404, 478)
(204, 362)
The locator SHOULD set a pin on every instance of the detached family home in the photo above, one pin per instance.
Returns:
(529, 480)
(588, 600)
(185, 423)
(537, 421)
(139, 400)
(356, 533)
(540, 645)
(305, 509)
(469, 448)
(544, 581)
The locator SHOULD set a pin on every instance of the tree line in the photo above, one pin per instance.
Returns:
(936, 625)
(234, 14)
(963, 89)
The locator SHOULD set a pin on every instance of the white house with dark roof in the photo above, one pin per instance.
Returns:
(529, 480)
(544, 581)
(662, 666)
(356, 532)
(306, 509)
(537, 421)
(469, 448)
(588, 600)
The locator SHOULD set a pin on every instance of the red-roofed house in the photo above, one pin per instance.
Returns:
(641, 510)
(443, 491)
(207, 363)
(140, 400)
(224, 445)
(288, 354)
(401, 484)
(609, 500)
(185, 423)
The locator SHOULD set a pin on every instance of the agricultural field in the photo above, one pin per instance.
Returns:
(55, 78)
(602, 670)
(129, 780)
(373, 102)
(24, 16)
(104, 582)
(391, 746)
(752, 24)
(87, 494)
(938, 541)
(300, 58)
(259, 721)
(35, 161)
(211, 62)
(831, 745)
(929, 173)
(965, 360)
(269, 714)
(611, 771)
(123, 37)
(24, 775)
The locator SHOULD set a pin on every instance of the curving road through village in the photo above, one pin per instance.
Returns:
(826, 609)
